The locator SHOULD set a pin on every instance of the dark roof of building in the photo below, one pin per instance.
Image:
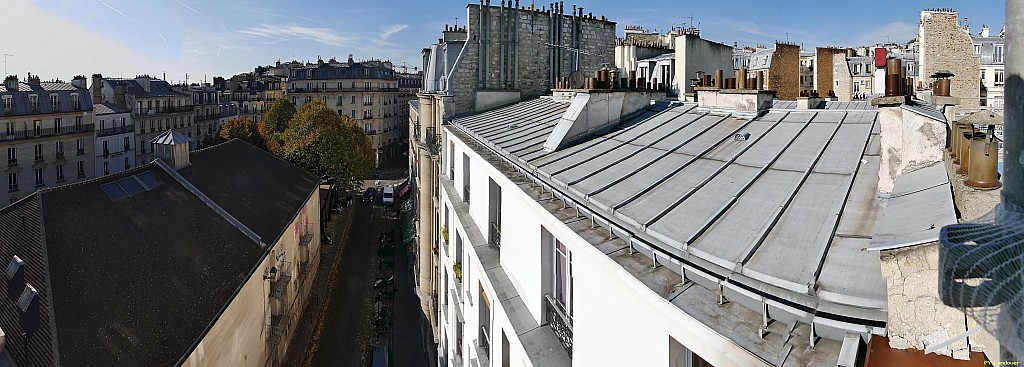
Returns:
(137, 281)
(133, 281)
(108, 109)
(342, 70)
(20, 98)
(138, 278)
(157, 88)
(29, 335)
(233, 174)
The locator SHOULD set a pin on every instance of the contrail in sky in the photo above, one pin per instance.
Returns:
(132, 19)
(203, 15)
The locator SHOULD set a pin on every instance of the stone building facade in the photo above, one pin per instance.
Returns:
(784, 72)
(47, 137)
(366, 91)
(507, 36)
(944, 45)
(155, 108)
(823, 69)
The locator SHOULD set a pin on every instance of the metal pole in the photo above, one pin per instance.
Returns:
(1013, 118)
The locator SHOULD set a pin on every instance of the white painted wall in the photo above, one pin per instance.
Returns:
(617, 320)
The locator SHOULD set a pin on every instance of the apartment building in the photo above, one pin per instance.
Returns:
(206, 102)
(155, 108)
(254, 93)
(115, 139)
(47, 137)
(990, 49)
(366, 91)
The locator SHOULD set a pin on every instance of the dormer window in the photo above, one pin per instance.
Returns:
(14, 267)
(75, 104)
(27, 296)
(54, 106)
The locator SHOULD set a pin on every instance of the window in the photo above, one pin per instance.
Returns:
(37, 127)
(999, 78)
(75, 104)
(79, 146)
(78, 123)
(60, 173)
(494, 212)
(12, 182)
(39, 152)
(680, 356)
(81, 169)
(465, 178)
(484, 340)
(562, 277)
(127, 144)
(33, 103)
(353, 99)
(106, 148)
(39, 177)
(106, 168)
(58, 125)
(977, 49)
(12, 156)
(7, 103)
(556, 286)
(997, 54)
(59, 148)
(53, 103)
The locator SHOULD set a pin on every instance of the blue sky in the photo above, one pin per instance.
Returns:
(61, 38)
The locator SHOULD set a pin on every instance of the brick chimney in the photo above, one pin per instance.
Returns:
(97, 88)
(11, 82)
(79, 81)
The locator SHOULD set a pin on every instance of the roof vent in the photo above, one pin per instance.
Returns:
(27, 296)
(741, 136)
(14, 266)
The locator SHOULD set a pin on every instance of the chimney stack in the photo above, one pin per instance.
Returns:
(79, 81)
(97, 88)
(11, 82)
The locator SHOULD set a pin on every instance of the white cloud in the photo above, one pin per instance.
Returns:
(63, 48)
(325, 36)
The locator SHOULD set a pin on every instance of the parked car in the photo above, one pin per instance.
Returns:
(369, 195)
(389, 195)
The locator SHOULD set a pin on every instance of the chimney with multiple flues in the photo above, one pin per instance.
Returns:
(610, 78)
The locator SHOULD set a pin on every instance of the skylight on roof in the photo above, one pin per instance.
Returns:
(113, 191)
(130, 186)
(27, 296)
(14, 266)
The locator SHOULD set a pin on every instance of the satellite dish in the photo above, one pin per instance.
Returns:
(577, 80)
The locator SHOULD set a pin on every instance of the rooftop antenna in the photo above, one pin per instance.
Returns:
(456, 23)
(5, 63)
(787, 37)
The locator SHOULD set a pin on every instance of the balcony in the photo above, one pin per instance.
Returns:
(559, 322)
(204, 118)
(164, 110)
(45, 132)
(465, 194)
(278, 325)
(115, 130)
(432, 140)
(496, 234)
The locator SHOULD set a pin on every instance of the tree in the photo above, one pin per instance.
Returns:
(325, 143)
(275, 123)
(237, 128)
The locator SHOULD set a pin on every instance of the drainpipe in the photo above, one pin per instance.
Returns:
(1013, 119)
(515, 48)
(479, 46)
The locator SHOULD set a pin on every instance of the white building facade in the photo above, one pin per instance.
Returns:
(115, 139)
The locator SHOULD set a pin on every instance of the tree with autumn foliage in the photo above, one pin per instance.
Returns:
(274, 124)
(325, 143)
(240, 128)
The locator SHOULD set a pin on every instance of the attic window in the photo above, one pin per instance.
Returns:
(26, 297)
(14, 266)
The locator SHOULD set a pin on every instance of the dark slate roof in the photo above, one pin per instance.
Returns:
(260, 190)
(108, 109)
(340, 70)
(20, 104)
(157, 88)
(29, 335)
(137, 281)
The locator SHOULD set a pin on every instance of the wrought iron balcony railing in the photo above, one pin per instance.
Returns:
(559, 322)
(496, 234)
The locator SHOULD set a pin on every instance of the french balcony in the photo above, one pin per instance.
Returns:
(496, 234)
(164, 110)
(115, 130)
(559, 322)
(45, 132)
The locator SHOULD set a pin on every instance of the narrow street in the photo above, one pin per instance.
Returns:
(347, 327)
(358, 316)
